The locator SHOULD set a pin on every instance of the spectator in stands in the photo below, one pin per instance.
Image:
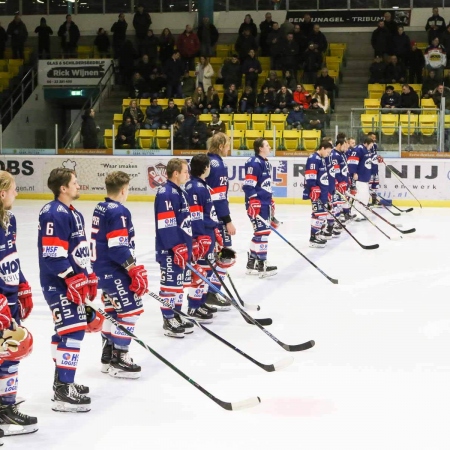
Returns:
(136, 114)
(181, 133)
(322, 98)
(199, 99)
(436, 58)
(156, 84)
(244, 43)
(188, 84)
(248, 23)
(390, 24)
(126, 134)
(149, 47)
(212, 101)
(287, 27)
(3, 41)
(247, 102)
(119, 31)
(302, 96)
(445, 40)
(415, 63)
(377, 70)
(296, 117)
(204, 73)
(230, 99)
(328, 84)
(232, 72)
(307, 25)
(153, 115)
(283, 100)
(144, 67)
(139, 87)
(174, 71)
(408, 100)
(208, 36)
(19, 34)
(438, 93)
(102, 43)
(266, 28)
(319, 39)
(401, 44)
(289, 80)
(390, 100)
(289, 56)
(70, 35)
(216, 125)
(141, 24)
(189, 111)
(251, 68)
(127, 55)
(312, 63)
(166, 46)
(395, 71)
(381, 39)
(44, 32)
(430, 83)
(89, 129)
(275, 44)
(265, 101)
(170, 114)
(435, 25)
(199, 135)
(188, 45)
(314, 117)
(272, 82)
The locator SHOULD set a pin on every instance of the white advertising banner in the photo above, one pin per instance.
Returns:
(426, 179)
(72, 72)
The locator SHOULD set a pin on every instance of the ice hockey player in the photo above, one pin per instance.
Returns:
(317, 190)
(123, 283)
(66, 279)
(173, 244)
(16, 304)
(259, 201)
(360, 169)
(374, 183)
(218, 147)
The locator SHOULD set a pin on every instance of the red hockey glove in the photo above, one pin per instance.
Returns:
(380, 159)
(180, 257)
(5, 313)
(25, 300)
(272, 207)
(219, 239)
(342, 187)
(204, 242)
(139, 280)
(77, 288)
(254, 207)
(353, 190)
(195, 279)
(92, 286)
(330, 198)
(314, 195)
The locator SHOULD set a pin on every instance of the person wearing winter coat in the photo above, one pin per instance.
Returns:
(319, 39)
(289, 55)
(216, 125)
(19, 34)
(251, 68)
(435, 25)
(248, 23)
(232, 72)
(401, 45)
(119, 31)
(390, 100)
(312, 63)
(247, 102)
(275, 43)
(436, 58)
(3, 41)
(230, 100)
(395, 71)
(415, 62)
(212, 101)
(283, 101)
(70, 35)
(266, 28)
(89, 129)
(169, 115)
(208, 36)
(408, 99)
(188, 45)
(244, 43)
(296, 117)
(153, 116)
(126, 134)
(302, 96)
(102, 43)
(166, 46)
(377, 70)
(381, 40)
(265, 101)
(149, 47)
(141, 23)
(173, 71)
(204, 73)
(44, 32)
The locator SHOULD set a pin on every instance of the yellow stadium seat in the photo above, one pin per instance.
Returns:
(250, 136)
(309, 88)
(161, 138)
(409, 123)
(292, 139)
(15, 62)
(179, 102)
(146, 138)
(144, 103)
(333, 65)
(237, 137)
(369, 122)
(428, 124)
(417, 88)
(85, 51)
(3, 65)
(371, 105)
(205, 118)
(375, 91)
(163, 102)
(341, 45)
(260, 121)
(278, 121)
(219, 88)
(428, 106)
(117, 120)
(265, 62)
(108, 137)
(447, 121)
(241, 121)
(389, 124)
(311, 139)
(269, 135)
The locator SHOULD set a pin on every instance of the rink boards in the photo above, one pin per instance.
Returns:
(427, 179)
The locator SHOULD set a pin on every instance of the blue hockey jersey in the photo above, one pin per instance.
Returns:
(62, 245)
(172, 218)
(316, 175)
(360, 162)
(112, 238)
(340, 166)
(331, 170)
(201, 206)
(218, 182)
(258, 180)
(374, 157)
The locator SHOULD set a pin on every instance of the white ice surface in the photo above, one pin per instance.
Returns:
(378, 377)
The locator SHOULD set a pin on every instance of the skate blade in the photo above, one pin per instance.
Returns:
(117, 373)
(314, 245)
(268, 274)
(188, 331)
(104, 368)
(202, 321)
(68, 407)
(220, 308)
(15, 430)
(173, 335)
(251, 272)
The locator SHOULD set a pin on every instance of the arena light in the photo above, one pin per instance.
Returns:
(395, 7)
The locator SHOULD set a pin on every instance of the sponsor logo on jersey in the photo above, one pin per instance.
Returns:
(10, 269)
(61, 208)
(267, 185)
(368, 163)
(69, 360)
(100, 208)
(324, 179)
(80, 255)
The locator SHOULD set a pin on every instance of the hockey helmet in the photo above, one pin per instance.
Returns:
(94, 320)
(15, 344)
(226, 257)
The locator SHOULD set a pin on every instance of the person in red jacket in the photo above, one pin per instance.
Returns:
(188, 45)
(302, 96)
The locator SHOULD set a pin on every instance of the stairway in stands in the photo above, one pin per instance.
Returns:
(109, 107)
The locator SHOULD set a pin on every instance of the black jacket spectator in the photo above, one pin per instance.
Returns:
(401, 45)
(440, 92)
(381, 39)
(248, 23)
(70, 35)
(275, 42)
(102, 43)
(119, 31)
(283, 100)
(430, 83)
(232, 73)
(319, 39)
(415, 62)
(139, 87)
(326, 82)
(19, 34)
(390, 99)
(290, 52)
(89, 131)
(3, 40)
(265, 28)
(166, 46)
(251, 68)
(136, 115)
(126, 135)
(199, 135)
(315, 117)
(272, 82)
(265, 101)
(145, 67)
(169, 115)
(247, 102)
(149, 46)
(127, 55)
(377, 70)
(307, 25)
(44, 32)
(409, 98)
(390, 24)
(207, 34)
(141, 22)
(395, 71)
(230, 99)
(173, 70)
(435, 25)
(244, 43)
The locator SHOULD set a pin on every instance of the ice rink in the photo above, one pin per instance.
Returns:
(377, 378)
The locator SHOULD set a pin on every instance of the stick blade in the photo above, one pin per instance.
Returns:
(299, 347)
(411, 230)
(333, 280)
(244, 404)
(408, 210)
(282, 363)
(371, 247)
(264, 322)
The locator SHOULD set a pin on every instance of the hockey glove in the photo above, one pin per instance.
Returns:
(77, 288)
(274, 222)
(353, 190)
(314, 194)
(25, 300)
(329, 198)
(139, 280)
(272, 207)
(380, 159)
(180, 255)
(254, 207)
(342, 187)
(219, 238)
(92, 286)
(204, 242)
(5, 313)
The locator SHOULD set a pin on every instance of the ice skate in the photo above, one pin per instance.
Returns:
(122, 365)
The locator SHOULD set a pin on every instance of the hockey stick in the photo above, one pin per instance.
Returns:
(365, 247)
(267, 367)
(230, 406)
(264, 322)
(289, 348)
(397, 208)
(411, 230)
(386, 208)
(390, 170)
(245, 305)
(333, 280)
